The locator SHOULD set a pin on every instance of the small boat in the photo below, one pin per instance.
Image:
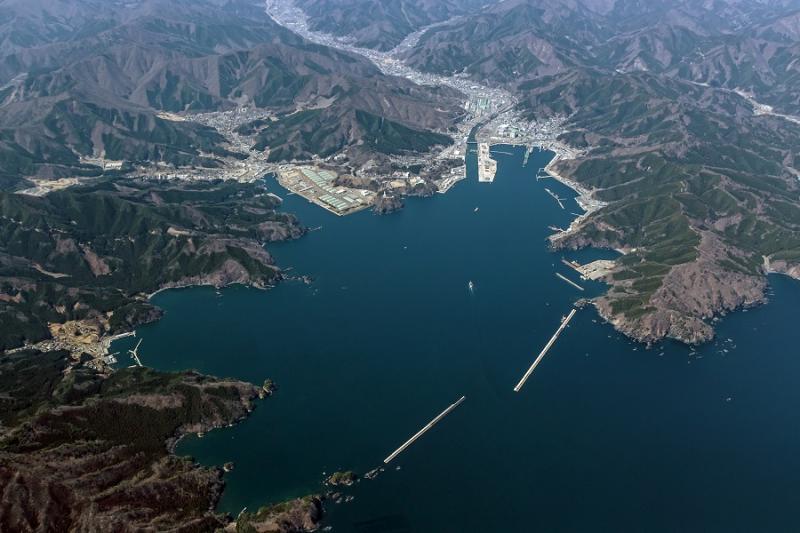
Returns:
(471, 286)
(476, 210)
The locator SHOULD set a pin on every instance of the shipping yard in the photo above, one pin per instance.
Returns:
(318, 186)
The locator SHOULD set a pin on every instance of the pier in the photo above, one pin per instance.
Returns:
(554, 195)
(574, 265)
(487, 167)
(544, 351)
(565, 278)
(542, 174)
(135, 353)
(528, 151)
(422, 431)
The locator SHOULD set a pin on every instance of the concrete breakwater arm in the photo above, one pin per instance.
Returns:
(419, 433)
(564, 278)
(545, 350)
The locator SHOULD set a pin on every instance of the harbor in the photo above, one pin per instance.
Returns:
(388, 334)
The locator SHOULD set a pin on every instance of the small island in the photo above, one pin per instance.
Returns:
(267, 389)
(344, 478)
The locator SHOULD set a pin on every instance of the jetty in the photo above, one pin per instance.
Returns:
(554, 195)
(546, 348)
(135, 353)
(565, 278)
(487, 167)
(422, 431)
(572, 264)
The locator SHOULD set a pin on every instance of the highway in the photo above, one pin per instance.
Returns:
(545, 350)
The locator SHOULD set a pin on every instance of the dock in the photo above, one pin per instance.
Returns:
(554, 195)
(487, 167)
(422, 431)
(135, 353)
(574, 265)
(565, 278)
(544, 351)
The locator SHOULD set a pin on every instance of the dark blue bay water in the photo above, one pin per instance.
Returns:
(605, 436)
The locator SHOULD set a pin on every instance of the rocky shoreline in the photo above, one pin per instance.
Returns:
(692, 294)
(118, 430)
(82, 420)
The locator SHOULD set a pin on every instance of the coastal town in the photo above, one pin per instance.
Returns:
(491, 113)
(331, 182)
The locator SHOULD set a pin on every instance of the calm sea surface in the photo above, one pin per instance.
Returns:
(605, 436)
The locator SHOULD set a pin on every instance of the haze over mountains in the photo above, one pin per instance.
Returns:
(89, 78)
(669, 102)
(684, 115)
(728, 43)
(656, 93)
(379, 24)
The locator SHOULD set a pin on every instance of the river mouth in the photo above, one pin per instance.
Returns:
(605, 435)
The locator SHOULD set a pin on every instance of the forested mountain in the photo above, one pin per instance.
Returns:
(379, 24)
(667, 101)
(94, 79)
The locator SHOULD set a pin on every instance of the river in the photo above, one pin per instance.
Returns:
(605, 436)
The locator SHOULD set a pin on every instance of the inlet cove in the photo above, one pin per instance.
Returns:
(455, 296)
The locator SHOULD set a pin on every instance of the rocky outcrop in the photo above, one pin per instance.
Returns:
(782, 267)
(386, 203)
(345, 479)
(295, 516)
(688, 296)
